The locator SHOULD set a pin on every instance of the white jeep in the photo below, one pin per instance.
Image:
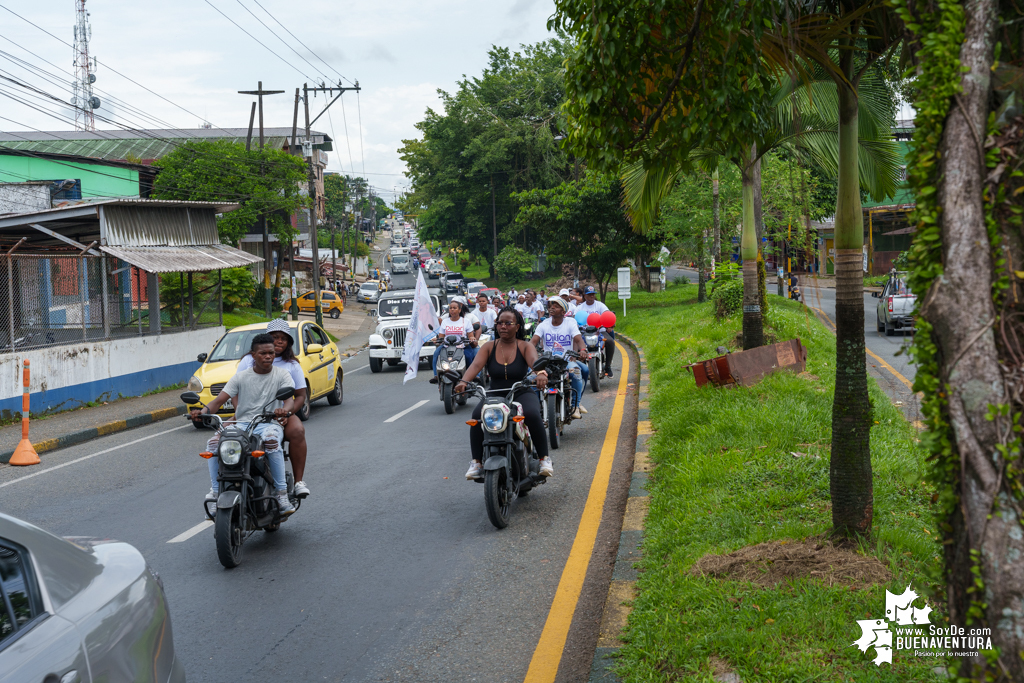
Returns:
(387, 343)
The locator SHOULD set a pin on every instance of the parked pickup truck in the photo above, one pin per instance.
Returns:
(895, 310)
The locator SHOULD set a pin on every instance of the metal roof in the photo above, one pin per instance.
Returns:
(182, 258)
(145, 144)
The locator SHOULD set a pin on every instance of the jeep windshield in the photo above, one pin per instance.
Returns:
(400, 307)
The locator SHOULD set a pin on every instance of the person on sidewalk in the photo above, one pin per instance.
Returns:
(559, 334)
(249, 391)
(592, 305)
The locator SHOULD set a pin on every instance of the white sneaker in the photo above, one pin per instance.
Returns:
(285, 505)
(210, 503)
(301, 490)
(545, 467)
(582, 409)
(475, 471)
(577, 414)
(211, 496)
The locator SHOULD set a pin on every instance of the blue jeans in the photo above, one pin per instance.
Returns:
(469, 353)
(578, 381)
(270, 431)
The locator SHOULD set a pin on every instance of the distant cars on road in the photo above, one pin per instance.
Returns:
(895, 310)
(80, 609)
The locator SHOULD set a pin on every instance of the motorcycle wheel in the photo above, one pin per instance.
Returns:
(496, 497)
(595, 373)
(554, 423)
(335, 397)
(303, 413)
(446, 396)
(227, 530)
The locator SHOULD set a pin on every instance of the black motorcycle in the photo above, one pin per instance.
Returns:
(510, 464)
(595, 347)
(452, 359)
(246, 502)
(558, 396)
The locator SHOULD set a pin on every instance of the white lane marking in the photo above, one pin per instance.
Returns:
(348, 372)
(406, 411)
(91, 455)
(185, 535)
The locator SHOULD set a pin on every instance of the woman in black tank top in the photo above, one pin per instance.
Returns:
(508, 359)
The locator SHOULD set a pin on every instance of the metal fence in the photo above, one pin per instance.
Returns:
(51, 300)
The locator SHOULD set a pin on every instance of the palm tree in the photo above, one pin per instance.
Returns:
(803, 117)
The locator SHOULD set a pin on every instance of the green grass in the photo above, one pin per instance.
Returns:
(706, 500)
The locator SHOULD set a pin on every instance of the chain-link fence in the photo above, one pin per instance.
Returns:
(50, 300)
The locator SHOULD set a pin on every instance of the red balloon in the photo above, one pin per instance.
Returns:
(607, 319)
(594, 319)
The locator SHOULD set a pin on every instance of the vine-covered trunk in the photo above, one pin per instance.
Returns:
(850, 465)
(985, 543)
(753, 331)
(701, 267)
(716, 249)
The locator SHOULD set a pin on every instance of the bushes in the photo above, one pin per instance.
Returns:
(511, 263)
(727, 295)
(239, 285)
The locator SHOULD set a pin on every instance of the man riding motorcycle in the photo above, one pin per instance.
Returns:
(484, 314)
(591, 305)
(558, 334)
(250, 390)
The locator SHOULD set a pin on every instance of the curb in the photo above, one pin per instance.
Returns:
(102, 430)
(622, 589)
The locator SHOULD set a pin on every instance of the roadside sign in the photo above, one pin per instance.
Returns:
(624, 291)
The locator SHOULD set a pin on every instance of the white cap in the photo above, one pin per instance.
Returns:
(563, 292)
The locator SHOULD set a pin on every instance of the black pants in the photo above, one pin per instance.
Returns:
(534, 422)
(609, 347)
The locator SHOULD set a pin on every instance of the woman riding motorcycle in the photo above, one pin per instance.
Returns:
(508, 359)
(460, 323)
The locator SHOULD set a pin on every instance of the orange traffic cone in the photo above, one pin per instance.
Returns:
(24, 454)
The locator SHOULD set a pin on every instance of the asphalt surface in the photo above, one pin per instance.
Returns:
(887, 359)
(389, 572)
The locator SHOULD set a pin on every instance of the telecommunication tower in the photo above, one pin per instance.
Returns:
(84, 101)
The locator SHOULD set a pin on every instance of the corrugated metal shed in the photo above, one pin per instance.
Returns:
(182, 258)
(139, 226)
(145, 144)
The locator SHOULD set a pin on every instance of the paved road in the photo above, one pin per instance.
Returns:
(389, 572)
(888, 361)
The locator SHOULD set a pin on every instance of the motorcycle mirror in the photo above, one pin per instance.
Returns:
(540, 364)
(284, 394)
(202, 357)
(190, 397)
(476, 326)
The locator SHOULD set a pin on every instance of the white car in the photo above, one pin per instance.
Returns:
(387, 343)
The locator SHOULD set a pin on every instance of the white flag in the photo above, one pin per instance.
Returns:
(423, 325)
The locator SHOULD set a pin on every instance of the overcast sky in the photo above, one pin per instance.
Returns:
(400, 51)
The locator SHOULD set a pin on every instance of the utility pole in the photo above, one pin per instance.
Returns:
(292, 149)
(494, 231)
(312, 210)
(268, 262)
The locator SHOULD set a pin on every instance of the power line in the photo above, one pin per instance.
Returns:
(315, 69)
(239, 27)
(348, 142)
(359, 111)
(300, 42)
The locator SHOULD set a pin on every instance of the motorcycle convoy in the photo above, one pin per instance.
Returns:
(511, 468)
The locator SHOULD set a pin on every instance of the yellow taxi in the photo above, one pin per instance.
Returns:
(330, 302)
(316, 353)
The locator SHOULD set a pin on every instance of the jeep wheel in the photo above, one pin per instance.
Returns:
(376, 364)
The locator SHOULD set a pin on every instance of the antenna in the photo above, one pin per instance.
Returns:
(84, 101)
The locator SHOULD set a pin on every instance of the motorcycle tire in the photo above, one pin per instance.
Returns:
(227, 531)
(595, 373)
(554, 422)
(446, 396)
(303, 413)
(338, 395)
(376, 364)
(497, 498)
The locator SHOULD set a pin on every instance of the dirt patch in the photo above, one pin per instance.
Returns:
(771, 563)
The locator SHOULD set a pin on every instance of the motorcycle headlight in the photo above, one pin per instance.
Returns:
(444, 365)
(194, 384)
(387, 334)
(591, 341)
(493, 419)
(230, 452)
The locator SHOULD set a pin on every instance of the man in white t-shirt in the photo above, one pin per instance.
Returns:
(484, 313)
(531, 309)
(592, 305)
(520, 305)
(559, 334)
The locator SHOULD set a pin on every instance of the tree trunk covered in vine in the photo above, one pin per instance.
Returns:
(985, 528)
(850, 466)
(716, 249)
(753, 331)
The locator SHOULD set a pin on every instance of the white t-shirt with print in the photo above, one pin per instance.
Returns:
(557, 339)
(486, 318)
(460, 328)
(530, 310)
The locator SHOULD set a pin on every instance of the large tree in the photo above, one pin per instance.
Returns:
(967, 274)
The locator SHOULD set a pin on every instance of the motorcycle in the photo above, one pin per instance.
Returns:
(246, 502)
(557, 396)
(452, 360)
(511, 468)
(595, 347)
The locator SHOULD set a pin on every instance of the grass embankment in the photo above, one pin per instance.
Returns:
(726, 478)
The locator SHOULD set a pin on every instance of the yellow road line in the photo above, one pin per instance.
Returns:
(895, 373)
(548, 655)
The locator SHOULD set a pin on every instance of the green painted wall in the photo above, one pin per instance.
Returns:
(97, 180)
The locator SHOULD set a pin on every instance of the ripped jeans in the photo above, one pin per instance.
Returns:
(273, 436)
